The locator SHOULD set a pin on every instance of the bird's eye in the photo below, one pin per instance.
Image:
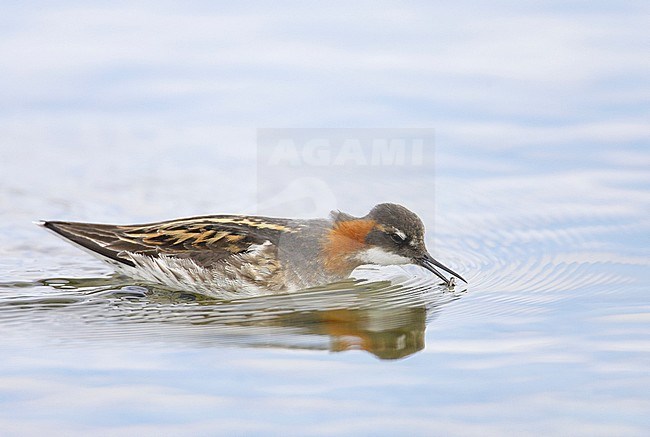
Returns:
(397, 238)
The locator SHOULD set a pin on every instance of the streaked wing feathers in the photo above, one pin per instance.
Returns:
(205, 240)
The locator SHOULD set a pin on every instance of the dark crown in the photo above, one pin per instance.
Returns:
(391, 214)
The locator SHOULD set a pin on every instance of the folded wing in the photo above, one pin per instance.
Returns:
(206, 240)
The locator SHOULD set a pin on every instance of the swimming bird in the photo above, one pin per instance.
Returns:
(254, 255)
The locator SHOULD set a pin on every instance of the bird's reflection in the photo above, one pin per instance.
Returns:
(387, 334)
(385, 319)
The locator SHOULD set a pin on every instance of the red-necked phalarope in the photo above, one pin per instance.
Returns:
(253, 255)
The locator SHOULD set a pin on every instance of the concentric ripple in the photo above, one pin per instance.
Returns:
(521, 249)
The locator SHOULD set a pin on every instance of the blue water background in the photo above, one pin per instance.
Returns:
(539, 195)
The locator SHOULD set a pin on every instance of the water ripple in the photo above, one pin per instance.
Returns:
(387, 319)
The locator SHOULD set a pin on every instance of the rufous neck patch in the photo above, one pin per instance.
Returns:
(345, 238)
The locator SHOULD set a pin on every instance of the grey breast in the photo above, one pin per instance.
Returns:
(300, 253)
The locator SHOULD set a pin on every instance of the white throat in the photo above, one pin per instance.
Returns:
(379, 256)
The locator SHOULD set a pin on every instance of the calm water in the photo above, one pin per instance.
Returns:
(550, 335)
(537, 191)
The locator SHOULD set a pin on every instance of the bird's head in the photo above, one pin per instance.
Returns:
(388, 235)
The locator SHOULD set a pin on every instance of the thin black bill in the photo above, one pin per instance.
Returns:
(430, 264)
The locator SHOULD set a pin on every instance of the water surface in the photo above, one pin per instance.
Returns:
(537, 192)
(550, 334)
